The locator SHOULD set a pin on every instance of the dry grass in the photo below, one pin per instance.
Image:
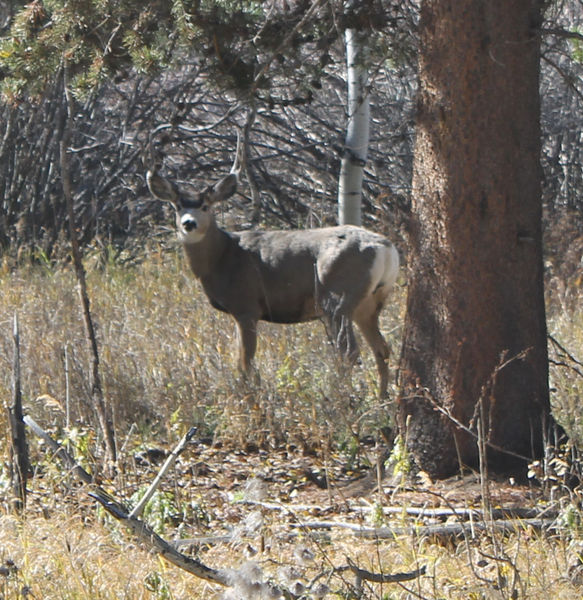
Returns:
(168, 362)
(71, 557)
(168, 357)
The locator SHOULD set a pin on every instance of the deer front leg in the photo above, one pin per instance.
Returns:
(247, 335)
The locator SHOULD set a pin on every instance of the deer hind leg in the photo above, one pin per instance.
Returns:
(338, 321)
(367, 319)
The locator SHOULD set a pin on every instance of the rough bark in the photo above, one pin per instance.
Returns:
(475, 325)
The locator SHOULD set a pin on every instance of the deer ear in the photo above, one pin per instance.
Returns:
(161, 188)
(224, 188)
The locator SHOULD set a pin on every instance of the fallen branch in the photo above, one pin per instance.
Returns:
(447, 530)
(141, 530)
(147, 535)
(513, 512)
(59, 451)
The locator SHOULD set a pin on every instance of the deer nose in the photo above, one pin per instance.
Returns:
(188, 223)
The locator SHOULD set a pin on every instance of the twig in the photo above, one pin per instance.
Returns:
(286, 42)
(564, 33)
(568, 79)
(565, 352)
(139, 507)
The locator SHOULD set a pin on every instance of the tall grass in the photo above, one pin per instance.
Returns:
(566, 369)
(169, 362)
(168, 359)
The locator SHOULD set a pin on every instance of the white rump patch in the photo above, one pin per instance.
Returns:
(385, 268)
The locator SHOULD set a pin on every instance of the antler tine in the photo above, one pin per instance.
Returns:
(237, 163)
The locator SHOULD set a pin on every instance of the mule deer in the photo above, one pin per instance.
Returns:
(340, 274)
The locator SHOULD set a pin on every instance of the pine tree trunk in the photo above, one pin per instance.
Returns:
(475, 326)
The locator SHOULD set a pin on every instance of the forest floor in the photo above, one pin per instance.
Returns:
(281, 487)
(265, 517)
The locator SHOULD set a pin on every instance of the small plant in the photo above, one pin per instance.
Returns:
(155, 583)
(399, 460)
(160, 511)
(377, 515)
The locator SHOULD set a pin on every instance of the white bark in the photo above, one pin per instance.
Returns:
(357, 132)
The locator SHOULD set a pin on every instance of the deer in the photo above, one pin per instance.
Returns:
(340, 274)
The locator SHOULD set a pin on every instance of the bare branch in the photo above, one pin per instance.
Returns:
(139, 507)
(561, 32)
(147, 535)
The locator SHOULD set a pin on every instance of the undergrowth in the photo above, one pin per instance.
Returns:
(168, 362)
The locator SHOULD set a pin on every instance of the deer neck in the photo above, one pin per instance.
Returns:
(203, 256)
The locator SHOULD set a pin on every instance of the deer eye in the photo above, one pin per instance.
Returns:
(205, 207)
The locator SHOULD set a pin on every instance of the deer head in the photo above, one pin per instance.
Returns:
(193, 211)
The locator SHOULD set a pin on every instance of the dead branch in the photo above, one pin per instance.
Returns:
(147, 535)
(97, 396)
(423, 512)
(18, 447)
(362, 574)
(71, 464)
(444, 531)
(139, 507)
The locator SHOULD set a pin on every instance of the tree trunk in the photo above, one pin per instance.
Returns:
(475, 332)
(357, 132)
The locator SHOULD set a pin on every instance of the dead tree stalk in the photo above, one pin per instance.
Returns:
(19, 448)
(97, 395)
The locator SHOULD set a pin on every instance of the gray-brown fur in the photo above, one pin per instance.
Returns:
(339, 274)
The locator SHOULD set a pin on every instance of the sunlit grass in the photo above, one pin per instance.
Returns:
(168, 361)
(69, 557)
(168, 358)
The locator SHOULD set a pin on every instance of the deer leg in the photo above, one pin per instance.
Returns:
(338, 321)
(247, 335)
(369, 327)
